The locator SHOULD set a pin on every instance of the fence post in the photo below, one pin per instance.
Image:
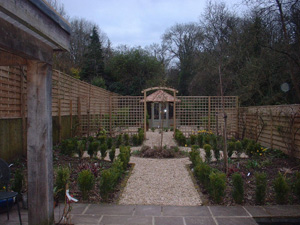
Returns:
(88, 112)
(237, 117)
(209, 113)
(271, 138)
(23, 114)
(79, 116)
(174, 113)
(71, 117)
(110, 116)
(145, 115)
(59, 120)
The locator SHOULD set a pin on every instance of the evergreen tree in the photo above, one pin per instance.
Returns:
(93, 65)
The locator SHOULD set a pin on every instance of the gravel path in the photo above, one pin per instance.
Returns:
(160, 181)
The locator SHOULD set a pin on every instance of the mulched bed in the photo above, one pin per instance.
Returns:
(76, 165)
(160, 153)
(271, 166)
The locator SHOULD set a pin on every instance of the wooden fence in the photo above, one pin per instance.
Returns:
(275, 127)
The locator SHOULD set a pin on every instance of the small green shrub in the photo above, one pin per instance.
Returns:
(252, 164)
(112, 153)
(153, 129)
(180, 138)
(93, 148)
(109, 143)
(103, 150)
(250, 149)
(230, 148)
(207, 148)
(126, 139)
(17, 184)
(193, 139)
(107, 182)
(200, 140)
(68, 146)
(194, 156)
(281, 188)
(85, 181)
(141, 136)
(238, 148)
(81, 146)
(245, 143)
(261, 187)
(102, 139)
(135, 140)
(238, 188)
(297, 185)
(119, 141)
(117, 166)
(62, 179)
(202, 171)
(217, 185)
(124, 156)
(206, 139)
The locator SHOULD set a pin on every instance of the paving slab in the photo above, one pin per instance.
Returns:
(185, 211)
(101, 209)
(236, 221)
(85, 219)
(228, 211)
(199, 221)
(147, 210)
(257, 211)
(126, 220)
(168, 220)
(283, 210)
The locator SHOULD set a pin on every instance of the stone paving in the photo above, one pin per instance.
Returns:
(100, 214)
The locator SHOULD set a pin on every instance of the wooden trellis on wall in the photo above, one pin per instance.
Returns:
(196, 113)
(126, 114)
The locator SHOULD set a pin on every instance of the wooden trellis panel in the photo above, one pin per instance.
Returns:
(205, 113)
(127, 114)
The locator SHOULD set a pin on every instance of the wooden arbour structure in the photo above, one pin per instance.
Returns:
(145, 104)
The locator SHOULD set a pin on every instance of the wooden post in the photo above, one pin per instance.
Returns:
(174, 112)
(23, 114)
(79, 116)
(237, 117)
(271, 138)
(88, 112)
(256, 124)
(110, 116)
(39, 143)
(71, 117)
(209, 113)
(59, 120)
(145, 114)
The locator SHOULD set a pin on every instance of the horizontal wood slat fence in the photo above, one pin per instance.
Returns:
(79, 108)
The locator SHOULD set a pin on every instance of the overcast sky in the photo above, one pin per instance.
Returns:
(138, 22)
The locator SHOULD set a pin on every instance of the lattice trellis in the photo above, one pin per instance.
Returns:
(127, 114)
(195, 113)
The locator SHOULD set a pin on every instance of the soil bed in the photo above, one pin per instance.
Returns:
(160, 153)
(270, 166)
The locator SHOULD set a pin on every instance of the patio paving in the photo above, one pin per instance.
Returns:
(104, 214)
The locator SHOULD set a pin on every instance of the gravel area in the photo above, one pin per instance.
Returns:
(160, 181)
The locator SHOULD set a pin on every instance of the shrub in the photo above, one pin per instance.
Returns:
(238, 148)
(103, 150)
(109, 142)
(180, 138)
(86, 181)
(124, 156)
(135, 140)
(245, 143)
(238, 188)
(68, 146)
(202, 171)
(141, 136)
(107, 182)
(250, 150)
(126, 139)
(207, 148)
(194, 156)
(281, 188)
(112, 153)
(17, 184)
(119, 141)
(193, 139)
(62, 179)
(230, 148)
(261, 187)
(117, 166)
(93, 148)
(81, 145)
(297, 185)
(206, 139)
(200, 140)
(102, 139)
(217, 185)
